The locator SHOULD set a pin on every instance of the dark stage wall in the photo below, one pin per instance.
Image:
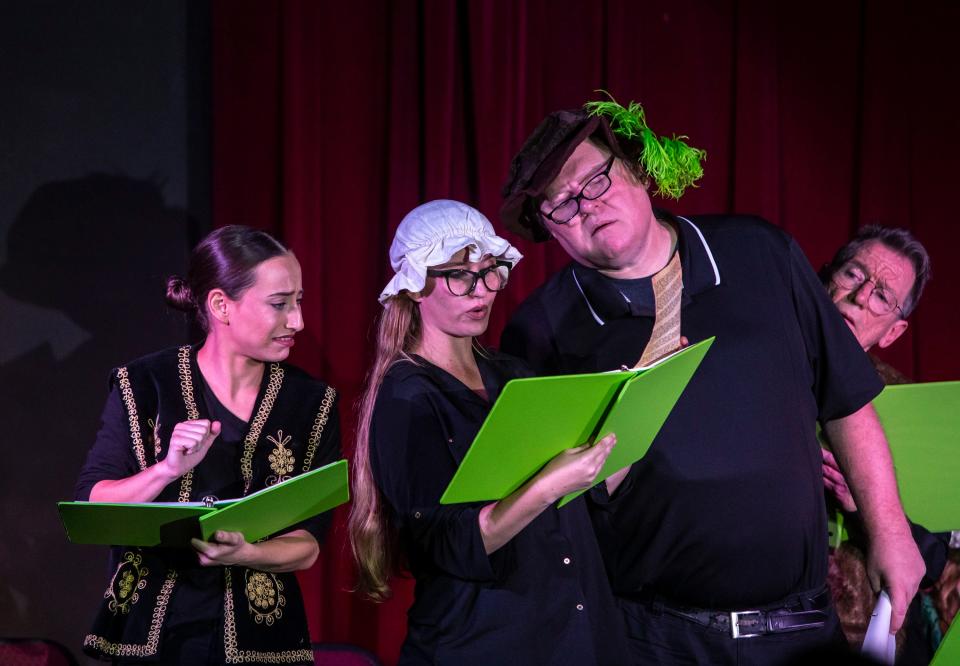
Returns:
(104, 142)
(333, 120)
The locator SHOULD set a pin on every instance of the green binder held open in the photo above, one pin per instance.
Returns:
(257, 515)
(535, 419)
(922, 424)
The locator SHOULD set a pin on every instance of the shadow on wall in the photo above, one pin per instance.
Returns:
(81, 292)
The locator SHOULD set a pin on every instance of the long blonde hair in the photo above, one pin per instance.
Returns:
(371, 537)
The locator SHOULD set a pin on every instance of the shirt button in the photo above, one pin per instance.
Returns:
(566, 560)
(580, 607)
(417, 514)
(450, 440)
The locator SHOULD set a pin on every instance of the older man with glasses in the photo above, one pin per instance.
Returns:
(876, 280)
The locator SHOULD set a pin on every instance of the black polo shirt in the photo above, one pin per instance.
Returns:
(726, 509)
(543, 598)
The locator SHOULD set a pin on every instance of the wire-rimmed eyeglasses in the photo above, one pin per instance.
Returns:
(852, 276)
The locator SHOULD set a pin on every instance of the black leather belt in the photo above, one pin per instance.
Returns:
(749, 623)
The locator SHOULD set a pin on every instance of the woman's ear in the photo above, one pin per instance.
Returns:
(415, 296)
(218, 306)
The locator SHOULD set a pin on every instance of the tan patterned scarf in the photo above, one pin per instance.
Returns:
(667, 293)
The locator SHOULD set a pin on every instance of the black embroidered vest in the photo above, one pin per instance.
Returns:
(262, 618)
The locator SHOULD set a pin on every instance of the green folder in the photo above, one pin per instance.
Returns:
(948, 654)
(535, 419)
(257, 515)
(836, 530)
(922, 424)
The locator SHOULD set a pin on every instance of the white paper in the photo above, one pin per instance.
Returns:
(879, 644)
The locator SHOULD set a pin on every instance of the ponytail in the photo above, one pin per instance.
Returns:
(371, 537)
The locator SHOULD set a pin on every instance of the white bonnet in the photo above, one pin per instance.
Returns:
(432, 233)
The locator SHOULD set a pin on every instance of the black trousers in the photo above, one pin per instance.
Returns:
(657, 637)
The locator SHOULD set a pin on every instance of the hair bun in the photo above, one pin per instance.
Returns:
(179, 294)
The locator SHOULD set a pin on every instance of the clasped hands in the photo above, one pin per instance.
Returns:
(836, 482)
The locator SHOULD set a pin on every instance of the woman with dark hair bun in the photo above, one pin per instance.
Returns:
(217, 420)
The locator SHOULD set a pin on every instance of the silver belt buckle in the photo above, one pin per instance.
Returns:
(735, 624)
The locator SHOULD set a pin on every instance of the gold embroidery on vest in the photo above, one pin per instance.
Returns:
(153, 635)
(281, 459)
(256, 425)
(232, 651)
(123, 378)
(264, 599)
(323, 415)
(155, 427)
(127, 582)
(186, 387)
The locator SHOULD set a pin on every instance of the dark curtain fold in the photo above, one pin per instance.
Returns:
(332, 120)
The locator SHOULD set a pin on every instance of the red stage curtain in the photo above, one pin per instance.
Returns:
(332, 120)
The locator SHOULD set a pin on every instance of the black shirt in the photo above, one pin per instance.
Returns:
(542, 598)
(638, 293)
(726, 509)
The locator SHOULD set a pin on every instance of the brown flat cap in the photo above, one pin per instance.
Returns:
(539, 162)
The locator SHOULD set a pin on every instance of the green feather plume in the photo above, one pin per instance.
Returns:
(671, 163)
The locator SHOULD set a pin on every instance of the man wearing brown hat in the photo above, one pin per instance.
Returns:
(719, 533)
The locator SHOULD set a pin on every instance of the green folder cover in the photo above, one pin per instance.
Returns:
(948, 654)
(257, 515)
(535, 419)
(922, 424)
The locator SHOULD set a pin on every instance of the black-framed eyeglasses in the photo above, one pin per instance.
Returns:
(462, 282)
(852, 277)
(594, 188)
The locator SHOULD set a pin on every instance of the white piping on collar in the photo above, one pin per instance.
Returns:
(706, 247)
(585, 299)
(703, 241)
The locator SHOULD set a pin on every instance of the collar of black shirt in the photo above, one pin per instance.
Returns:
(490, 372)
(699, 273)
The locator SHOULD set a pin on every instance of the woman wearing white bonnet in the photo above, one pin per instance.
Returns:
(513, 580)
